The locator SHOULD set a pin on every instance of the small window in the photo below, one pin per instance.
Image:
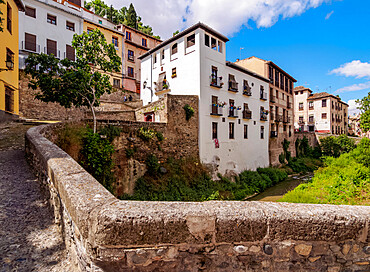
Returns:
(51, 19)
(220, 46)
(301, 106)
(70, 52)
(51, 47)
(144, 42)
(174, 49)
(231, 130)
(174, 73)
(162, 55)
(30, 12)
(324, 103)
(116, 83)
(128, 35)
(277, 94)
(214, 130)
(213, 44)
(206, 40)
(190, 40)
(30, 42)
(130, 55)
(130, 71)
(100, 22)
(262, 132)
(154, 58)
(310, 105)
(9, 59)
(70, 26)
(115, 41)
(89, 30)
(323, 116)
(214, 104)
(9, 18)
(245, 131)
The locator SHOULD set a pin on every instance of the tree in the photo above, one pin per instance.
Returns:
(365, 112)
(75, 83)
(98, 6)
(131, 17)
(1, 18)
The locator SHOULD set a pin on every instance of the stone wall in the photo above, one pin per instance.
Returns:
(313, 138)
(158, 108)
(30, 107)
(106, 234)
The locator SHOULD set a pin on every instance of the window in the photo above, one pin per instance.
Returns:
(9, 99)
(128, 35)
(301, 119)
(213, 44)
(324, 103)
(115, 41)
(277, 94)
(276, 78)
(247, 90)
(154, 58)
(231, 130)
(233, 85)
(282, 81)
(310, 105)
(116, 83)
(262, 132)
(174, 73)
(206, 40)
(245, 131)
(247, 114)
(301, 106)
(130, 71)
(9, 59)
(190, 40)
(89, 30)
(311, 128)
(30, 42)
(130, 55)
(286, 84)
(30, 12)
(162, 55)
(271, 74)
(323, 116)
(70, 26)
(231, 108)
(214, 130)
(174, 49)
(51, 19)
(143, 42)
(70, 52)
(214, 105)
(9, 18)
(51, 47)
(219, 46)
(311, 119)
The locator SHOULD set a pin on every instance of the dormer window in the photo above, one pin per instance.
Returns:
(190, 40)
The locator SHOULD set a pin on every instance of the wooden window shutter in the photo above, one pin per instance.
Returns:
(51, 47)
(70, 52)
(30, 42)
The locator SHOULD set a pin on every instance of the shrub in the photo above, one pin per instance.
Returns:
(159, 136)
(129, 153)
(152, 164)
(189, 112)
(146, 134)
(110, 132)
(282, 158)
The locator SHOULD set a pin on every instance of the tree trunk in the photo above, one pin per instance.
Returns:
(94, 117)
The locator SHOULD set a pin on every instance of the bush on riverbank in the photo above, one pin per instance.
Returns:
(188, 180)
(343, 180)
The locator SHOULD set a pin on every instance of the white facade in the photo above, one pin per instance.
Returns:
(43, 30)
(192, 76)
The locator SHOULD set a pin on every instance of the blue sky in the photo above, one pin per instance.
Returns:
(311, 45)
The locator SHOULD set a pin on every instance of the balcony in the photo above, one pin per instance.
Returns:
(216, 110)
(311, 108)
(162, 87)
(289, 105)
(301, 122)
(263, 95)
(232, 112)
(233, 86)
(278, 118)
(216, 81)
(263, 116)
(274, 134)
(286, 119)
(272, 99)
(247, 91)
(300, 108)
(311, 121)
(247, 114)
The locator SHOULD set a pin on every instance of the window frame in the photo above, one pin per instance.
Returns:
(231, 130)
(70, 27)
(128, 71)
(214, 130)
(9, 18)
(190, 40)
(27, 9)
(51, 19)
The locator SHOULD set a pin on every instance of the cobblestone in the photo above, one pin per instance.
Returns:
(29, 239)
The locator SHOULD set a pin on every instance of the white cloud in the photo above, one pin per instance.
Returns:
(227, 17)
(355, 68)
(329, 15)
(354, 87)
(352, 109)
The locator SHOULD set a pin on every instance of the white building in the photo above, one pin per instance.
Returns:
(47, 27)
(233, 101)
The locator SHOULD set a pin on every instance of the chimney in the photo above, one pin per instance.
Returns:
(237, 60)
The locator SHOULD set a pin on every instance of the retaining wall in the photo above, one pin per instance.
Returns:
(106, 234)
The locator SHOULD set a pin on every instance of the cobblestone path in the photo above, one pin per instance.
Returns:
(29, 239)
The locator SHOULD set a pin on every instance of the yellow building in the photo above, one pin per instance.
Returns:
(9, 74)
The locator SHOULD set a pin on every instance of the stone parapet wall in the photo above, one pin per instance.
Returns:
(106, 234)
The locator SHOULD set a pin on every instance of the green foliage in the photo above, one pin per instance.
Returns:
(152, 165)
(146, 134)
(97, 158)
(282, 158)
(129, 153)
(303, 165)
(70, 139)
(335, 146)
(159, 136)
(175, 33)
(365, 112)
(131, 17)
(110, 132)
(344, 180)
(189, 112)
(75, 83)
